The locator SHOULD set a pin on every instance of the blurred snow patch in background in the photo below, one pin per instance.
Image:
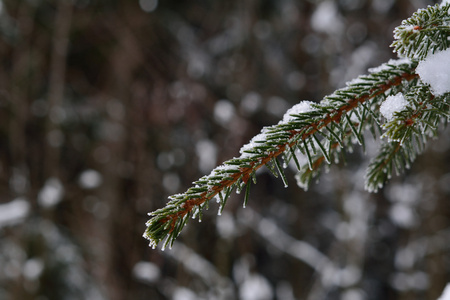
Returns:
(327, 19)
(13, 212)
(446, 293)
(251, 103)
(224, 112)
(148, 5)
(146, 271)
(207, 155)
(90, 179)
(51, 194)
(182, 293)
(255, 287)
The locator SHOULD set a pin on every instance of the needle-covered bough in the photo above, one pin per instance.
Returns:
(402, 103)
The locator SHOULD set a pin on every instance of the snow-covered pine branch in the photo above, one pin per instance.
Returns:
(391, 98)
(425, 32)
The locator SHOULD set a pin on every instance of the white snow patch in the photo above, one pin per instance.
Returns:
(393, 104)
(435, 71)
(446, 293)
(353, 294)
(146, 271)
(51, 194)
(207, 155)
(299, 108)
(327, 19)
(445, 2)
(224, 112)
(226, 226)
(255, 141)
(90, 179)
(182, 293)
(224, 167)
(33, 268)
(13, 212)
(391, 62)
(403, 215)
(255, 287)
(251, 103)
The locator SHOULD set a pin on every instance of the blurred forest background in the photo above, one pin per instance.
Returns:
(109, 106)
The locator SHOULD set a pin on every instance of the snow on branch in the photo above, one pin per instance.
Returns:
(425, 32)
(391, 97)
(318, 131)
(435, 71)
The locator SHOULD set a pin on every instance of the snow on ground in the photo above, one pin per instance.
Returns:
(435, 71)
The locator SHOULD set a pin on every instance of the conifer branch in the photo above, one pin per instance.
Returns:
(425, 32)
(327, 122)
(320, 131)
(407, 134)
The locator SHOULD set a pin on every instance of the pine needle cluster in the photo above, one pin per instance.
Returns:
(313, 135)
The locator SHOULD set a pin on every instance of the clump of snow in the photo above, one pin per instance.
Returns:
(393, 104)
(445, 2)
(391, 62)
(255, 141)
(302, 107)
(434, 70)
(446, 294)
